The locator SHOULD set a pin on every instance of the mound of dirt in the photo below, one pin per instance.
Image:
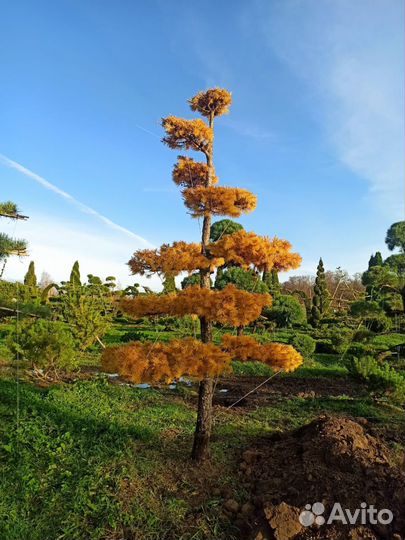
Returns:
(331, 460)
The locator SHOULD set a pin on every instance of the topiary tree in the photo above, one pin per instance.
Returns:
(218, 230)
(320, 298)
(286, 311)
(192, 279)
(374, 261)
(75, 275)
(131, 290)
(371, 314)
(385, 281)
(142, 362)
(223, 227)
(87, 308)
(305, 344)
(31, 290)
(30, 278)
(246, 280)
(169, 285)
(272, 282)
(395, 237)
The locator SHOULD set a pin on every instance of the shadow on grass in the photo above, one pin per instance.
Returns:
(88, 419)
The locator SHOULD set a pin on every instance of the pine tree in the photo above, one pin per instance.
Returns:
(375, 260)
(222, 227)
(142, 362)
(30, 279)
(8, 245)
(169, 285)
(75, 275)
(272, 281)
(320, 298)
(378, 260)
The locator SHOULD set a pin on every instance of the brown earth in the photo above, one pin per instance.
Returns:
(306, 387)
(332, 459)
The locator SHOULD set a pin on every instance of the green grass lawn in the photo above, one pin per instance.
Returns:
(92, 460)
(95, 460)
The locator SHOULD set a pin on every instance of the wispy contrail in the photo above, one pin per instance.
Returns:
(83, 207)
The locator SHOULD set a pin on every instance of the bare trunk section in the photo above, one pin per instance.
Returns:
(203, 428)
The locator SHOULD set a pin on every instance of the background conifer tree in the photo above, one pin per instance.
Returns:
(320, 298)
(30, 278)
(10, 246)
(75, 274)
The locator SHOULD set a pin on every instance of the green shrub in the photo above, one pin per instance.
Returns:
(360, 349)
(372, 315)
(46, 345)
(304, 344)
(88, 309)
(131, 335)
(363, 335)
(379, 377)
(5, 353)
(388, 341)
(246, 280)
(340, 337)
(286, 312)
(324, 346)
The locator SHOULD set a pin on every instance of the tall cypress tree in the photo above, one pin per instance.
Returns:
(75, 274)
(272, 281)
(375, 260)
(30, 279)
(378, 260)
(320, 298)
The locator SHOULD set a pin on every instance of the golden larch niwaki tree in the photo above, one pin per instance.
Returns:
(163, 362)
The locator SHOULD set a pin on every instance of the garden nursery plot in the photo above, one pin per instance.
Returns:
(97, 458)
(225, 404)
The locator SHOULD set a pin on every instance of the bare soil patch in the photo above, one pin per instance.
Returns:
(306, 387)
(330, 460)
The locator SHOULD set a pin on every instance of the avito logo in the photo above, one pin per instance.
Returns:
(365, 515)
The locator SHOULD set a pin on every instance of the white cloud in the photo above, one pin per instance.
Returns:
(55, 244)
(81, 206)
(350, 55)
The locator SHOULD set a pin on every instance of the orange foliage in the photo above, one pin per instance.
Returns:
(277, 355)
(156, 362)
(215, 102)
(220, 201)
(189, 173)
(163, 362)
(245, 249)
(188, 134)
(231, 306)
(171, 260)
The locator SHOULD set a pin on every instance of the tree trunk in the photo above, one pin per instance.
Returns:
(202, 432)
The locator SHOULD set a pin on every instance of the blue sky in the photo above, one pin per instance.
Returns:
(315, 130)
